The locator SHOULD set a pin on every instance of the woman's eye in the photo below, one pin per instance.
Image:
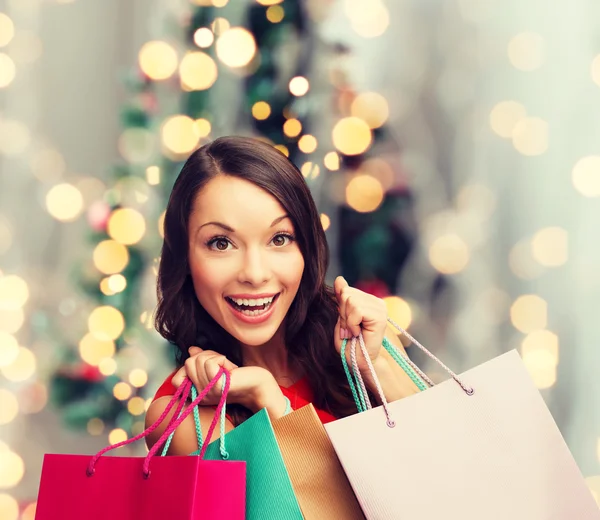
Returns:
(281, 240)
(220, 244)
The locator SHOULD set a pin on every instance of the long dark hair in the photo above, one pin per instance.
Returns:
(311, 319)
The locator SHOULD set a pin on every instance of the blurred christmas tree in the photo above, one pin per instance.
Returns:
(178, 101)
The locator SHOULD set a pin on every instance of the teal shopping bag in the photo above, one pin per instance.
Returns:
(269, 491)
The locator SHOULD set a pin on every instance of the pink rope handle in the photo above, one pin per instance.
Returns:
(183, 391)
(174, 425)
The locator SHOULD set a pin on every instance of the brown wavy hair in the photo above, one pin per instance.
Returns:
(311, 319)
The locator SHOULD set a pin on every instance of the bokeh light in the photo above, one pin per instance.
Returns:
(9, 507)
(33, 398)
(540, 356)
(126, 226)
(110, 257)
(351, 136)
(369, 18)
(136, 406)
(158, 60)
(236, 47)
(307, 143)
(9, 348)
(586, 176)
(364, 193)
(198, 71)
(449, 254)
(11, 320)
(9, 406)
(107, 367)
(122, 391)
(529, 313)
(136, 145)
(526, 51)
(138, 377)
(505, 116)
(22, 367)
(202, 127)
(325, 221)
(530, 136)
(332, 161)
(261, 110)
(275, 14)
(204, 37)
(14, 292)
(292, 127)
(95, 426)
(299, 86)
(7, 29)
(179, 135)
(117, 435)
(106, 323)
(398, 310)
(12, 469)
(15, 136)
(93, 350)
(550, 247)
(64, 202)
(310, 170)
(8, 70)
(372, 108)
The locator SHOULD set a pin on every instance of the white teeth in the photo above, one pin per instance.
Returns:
(253, 302)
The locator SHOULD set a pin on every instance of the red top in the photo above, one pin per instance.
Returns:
(300, 394)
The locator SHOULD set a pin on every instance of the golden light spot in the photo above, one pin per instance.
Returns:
(236, 47)
(505, 116)
(122, 391)
(332, 161)
(158, 60)
(106, 323)
(586, 176)
(93, 350)
(64, 202)
(138, 377)
(364, 193)
(8, 70)
(95, 426)
(161, 224)
(9, 507)
(153, 175)
(117, 435)
(530, 136)
(269, 2)
(179, 134)
(540, 356)
(307, 143)
(204, 37)
(299, 86)
(351, 136)
(12, 469)
(310, 170)
(11, 320)
(369, 18)
(550, 247)
(127, 226)
(399, 311)
(22, 367)
(14, 292)
(110, 257)
(220, 25)
(136, 406)
(202, 127)
(275, 14)
(29, 512)
(325, 221)
(370, 107)
(7, 29)
(9, 406)
(292, 127)
(526, 51)
(107, 367)
(261, 110)
(198, 71)
(449, 254)
(9, 348)
(529, 313)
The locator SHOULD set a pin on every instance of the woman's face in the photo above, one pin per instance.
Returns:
(245, 263)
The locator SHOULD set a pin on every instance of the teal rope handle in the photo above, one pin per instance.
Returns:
(359, 398)
(404, 365)
(198, 426)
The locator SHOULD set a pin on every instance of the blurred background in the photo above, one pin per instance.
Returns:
(452, 146)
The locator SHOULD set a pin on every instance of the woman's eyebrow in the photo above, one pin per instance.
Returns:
(231, 230)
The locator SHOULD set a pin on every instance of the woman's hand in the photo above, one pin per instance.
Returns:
(359, 312)
(253, 387)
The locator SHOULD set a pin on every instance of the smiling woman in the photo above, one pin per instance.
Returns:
(241, 284)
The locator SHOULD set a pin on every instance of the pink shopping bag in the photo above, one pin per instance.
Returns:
(78, 487)
(482, 445)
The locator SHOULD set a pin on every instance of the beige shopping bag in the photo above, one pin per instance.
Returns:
(319, 482)
(481, 446)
